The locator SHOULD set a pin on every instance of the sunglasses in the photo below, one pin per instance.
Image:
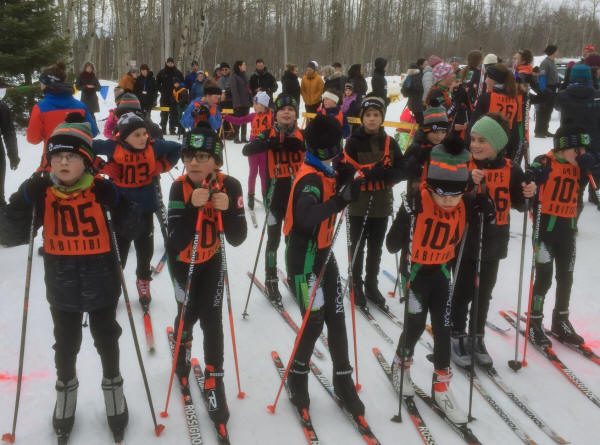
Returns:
(199, 156)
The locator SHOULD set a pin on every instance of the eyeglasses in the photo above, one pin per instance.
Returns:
(69, 157)
(199, 156)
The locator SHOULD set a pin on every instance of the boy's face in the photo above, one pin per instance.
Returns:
(328, 103)
(144, 72)
(570, 155)
(138, 138)
(199, 165)
(436, 137)
(213, 99)
(67, 167)
(372, 120)
(286, 116)
(446, 202)
(481, 148)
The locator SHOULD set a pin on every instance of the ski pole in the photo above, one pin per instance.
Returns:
(474, 309)
(188, 286)
(536, 235)
(594, 189)
(260, 242)
(313, 293)
(10, 437)
(351, 261)
(398, 417)
(158, 427)
(515, 364)
(225, 281)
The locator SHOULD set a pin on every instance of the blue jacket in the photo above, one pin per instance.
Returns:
(214, 116)
(197, 90)
(190, 78)
(145, 196)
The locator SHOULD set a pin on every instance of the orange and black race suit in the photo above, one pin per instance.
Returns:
(261, 122)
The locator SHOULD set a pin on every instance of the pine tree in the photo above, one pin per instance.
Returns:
(30, 36)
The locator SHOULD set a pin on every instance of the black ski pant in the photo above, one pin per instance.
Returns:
(277, 207)
(204, 304)
(373, 236)
(464, 293)
(544, 111)
(562, 251)
(327, 308)
(428, 292)
(67, 340)
(144, 247)
(2, 173)
(168, 116)
(240, 130)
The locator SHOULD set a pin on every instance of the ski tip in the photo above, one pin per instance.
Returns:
(169, 329)
(271, 409)
(164, 414)
(151, 350)
(358, 387)
(524, 363)
(158, 429)
(241, 395)
(376, 350)
(195, 362)
(274, 354)
(391, 294)
(8, 437)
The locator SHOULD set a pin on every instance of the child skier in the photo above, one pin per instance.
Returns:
(80, 265)
(181, 98)
(429, 229)
(133, 161)
(262, 120)
(317, 195)
(561, 175)
(506, 185)
(128, 103)
(203, 192)
(378, 159)
(330, 107)
(284, 145)
(206, 109)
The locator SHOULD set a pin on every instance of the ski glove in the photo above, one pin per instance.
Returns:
(588, 163)
(350, 191)
(482, 203)
(105, 192)
(345, 173)
(14, 162)
(36, 186)
(375, 173)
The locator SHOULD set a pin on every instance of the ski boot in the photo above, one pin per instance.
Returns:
(444, 398)
(460, 351)
(143, 287)
(272, 286)
(407, 387)
(251, 201)
(563, 329)
(116, 406)
(359, 294)
(214, 391)
(372, 293)
(184, 360)
(537, 336)
(482, 357)
(297, 382)
(63, 417)
(344, 389)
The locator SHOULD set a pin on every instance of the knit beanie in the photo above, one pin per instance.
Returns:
(331, 96)
(434, 119)
(323, 136)
(567, 137)
(434, 60)
(128, 123)
(497, 72)
(492, 131)
(262, 98)
(203, 138)
(74, 135)
(283, 100)
(581, 73)
(441, 71)
(447, 174)
(127, 102)
(490, 59)
(372, 101)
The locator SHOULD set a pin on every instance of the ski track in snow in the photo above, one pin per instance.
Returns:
(547, 392)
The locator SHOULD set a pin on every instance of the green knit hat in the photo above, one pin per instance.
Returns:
(127, 102)
(492, 131)
(75, 137)
(435, 119)
(447, 173)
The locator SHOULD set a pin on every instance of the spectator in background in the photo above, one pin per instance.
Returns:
(9, 147)
(127, 82)
(350, 105)
(427, 79)
(312, 87)
(336, 80)
(586, 51)
(165, 80)
(550, 73)
(378, 81)
(593, 61)
(262, 80)
(146, 90)
(412, 88)
(88, 84)
(290, 83)
(190, 77)
(355, 76)
(241, 98)
(197, 90)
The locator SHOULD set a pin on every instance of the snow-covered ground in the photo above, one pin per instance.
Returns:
(543, 387)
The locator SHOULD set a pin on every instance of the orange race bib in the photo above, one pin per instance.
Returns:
(505, 105)
(136, 166)
(284, 163)
(437, 232)
(560, 193)
(372, 186)
(75, 225)
(261, 122)
(497, 182)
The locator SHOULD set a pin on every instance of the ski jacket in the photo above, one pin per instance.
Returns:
(312, 88)
(146, 90)
(8, 134)
(378, 81)
(358, 81)
(127, 82)
(290, 85)
(263, 81)
(336, 82)
(240, 90)
(164, 81)
(198, 110)
(579, 106)
(88, 93)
